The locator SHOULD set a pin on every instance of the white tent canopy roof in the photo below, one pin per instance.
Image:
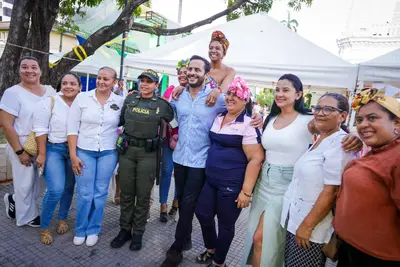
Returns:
(261, 50)
(385, 68)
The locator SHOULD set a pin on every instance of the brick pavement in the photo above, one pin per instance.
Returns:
(20, 246)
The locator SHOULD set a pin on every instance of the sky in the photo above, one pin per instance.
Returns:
(322, 23)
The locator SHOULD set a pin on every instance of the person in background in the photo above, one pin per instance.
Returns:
(167, 162)
(50, 127)
(142, 115)
(233, 163)
(257, 108)
(220, 75)
(288, 133)
(119, 89)
(16, 110)
(317, 175)
(367, 216)
(92, 135)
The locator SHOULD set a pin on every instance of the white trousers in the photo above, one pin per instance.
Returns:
(26, 187)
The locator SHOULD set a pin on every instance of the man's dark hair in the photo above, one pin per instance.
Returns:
(207, 65)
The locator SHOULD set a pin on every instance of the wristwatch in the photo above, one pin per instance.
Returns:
(19, 152)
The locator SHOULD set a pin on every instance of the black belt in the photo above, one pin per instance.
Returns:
(137, 142)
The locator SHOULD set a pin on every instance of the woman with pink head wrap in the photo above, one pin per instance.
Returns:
(234, 161)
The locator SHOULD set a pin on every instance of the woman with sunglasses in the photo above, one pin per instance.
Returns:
(317, 175)
(233, 163)
(367, 216)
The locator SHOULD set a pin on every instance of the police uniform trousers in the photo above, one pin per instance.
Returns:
(137, 172)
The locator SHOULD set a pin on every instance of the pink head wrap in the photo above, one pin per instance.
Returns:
(239, 87)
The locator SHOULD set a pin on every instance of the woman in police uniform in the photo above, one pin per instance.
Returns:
(141, 116)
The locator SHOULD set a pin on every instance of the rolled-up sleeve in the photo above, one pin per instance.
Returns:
(41, 117)
(74, 117)
(10, 103)
(334, 160)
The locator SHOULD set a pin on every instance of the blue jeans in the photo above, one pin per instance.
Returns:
(60, 182)
(92, 189)
(166, 173)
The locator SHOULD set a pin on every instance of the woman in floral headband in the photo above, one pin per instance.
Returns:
(232, 167)
(168, 164)
(367, 215)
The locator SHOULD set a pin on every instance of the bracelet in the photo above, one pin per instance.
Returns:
(219, 89)
(247, 195)
(19, 152)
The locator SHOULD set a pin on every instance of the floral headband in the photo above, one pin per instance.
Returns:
(239, 87)
(182, 63)
(220, 37)
(366, 95)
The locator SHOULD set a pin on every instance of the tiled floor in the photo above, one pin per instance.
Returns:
(20, 246)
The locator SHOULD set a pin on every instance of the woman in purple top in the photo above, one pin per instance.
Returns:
(234, 161)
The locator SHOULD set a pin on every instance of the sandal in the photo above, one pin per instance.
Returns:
(163, 217)
(46, 237)
(172, 212)
(205, 257)
(62, 227)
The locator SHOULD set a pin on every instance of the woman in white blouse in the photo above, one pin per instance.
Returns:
(50, 125)
(92, 135)
(16, 110)
(317, 175)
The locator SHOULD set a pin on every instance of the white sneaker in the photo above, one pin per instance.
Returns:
(91, 240)
(78, 240)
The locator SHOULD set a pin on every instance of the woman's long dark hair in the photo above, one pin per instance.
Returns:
(298, 104)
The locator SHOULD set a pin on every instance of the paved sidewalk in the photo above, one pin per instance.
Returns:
(20, 246)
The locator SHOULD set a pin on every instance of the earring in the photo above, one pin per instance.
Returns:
(396, 131)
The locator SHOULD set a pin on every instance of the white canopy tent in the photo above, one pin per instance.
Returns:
(261, 50)
(385, 68)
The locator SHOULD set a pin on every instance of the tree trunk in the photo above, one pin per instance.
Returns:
(17, 34)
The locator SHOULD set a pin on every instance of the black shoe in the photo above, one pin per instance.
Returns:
(136, 243)
(173, 259)
(163, 217)
(187, 245)
(205, 258)
(35, 223)
(172, 212)
(122, 237)
(10, 206)
(215, 265)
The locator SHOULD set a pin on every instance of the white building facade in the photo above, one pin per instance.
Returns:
(6, 9)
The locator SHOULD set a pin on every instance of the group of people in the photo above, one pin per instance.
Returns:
(301, 192)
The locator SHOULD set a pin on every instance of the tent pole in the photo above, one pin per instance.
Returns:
(121, 68)
(87, 82)
(352, 116)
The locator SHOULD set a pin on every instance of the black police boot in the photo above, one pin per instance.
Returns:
(122, 237)
(136, 243)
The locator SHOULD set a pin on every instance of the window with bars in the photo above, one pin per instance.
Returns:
(7, 11)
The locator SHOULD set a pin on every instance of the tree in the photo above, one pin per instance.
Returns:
(265, 97)
(33, 20)
(292, 24)
(257, 6)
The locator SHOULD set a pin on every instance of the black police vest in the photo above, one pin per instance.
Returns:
(142, 117)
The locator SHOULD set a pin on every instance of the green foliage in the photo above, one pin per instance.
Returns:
(307, 100)
(257, 6)
(266, 97)
(291, 23)
(70, 8)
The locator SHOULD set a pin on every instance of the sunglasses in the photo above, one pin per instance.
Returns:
(326, 110)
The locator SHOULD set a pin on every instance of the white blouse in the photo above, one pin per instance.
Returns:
(316, 168)
(21, 103)
(96, 126)
(285, 146)
(51, 122)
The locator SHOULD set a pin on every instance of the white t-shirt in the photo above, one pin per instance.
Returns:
(316, 168)
(21, 103)
(95, 125)
(285, 146)
(53, 123)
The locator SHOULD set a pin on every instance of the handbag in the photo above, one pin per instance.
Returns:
(30, 145)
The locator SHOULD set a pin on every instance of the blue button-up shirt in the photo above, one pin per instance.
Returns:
(195, 119)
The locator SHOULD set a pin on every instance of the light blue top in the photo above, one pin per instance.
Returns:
(195, 119)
